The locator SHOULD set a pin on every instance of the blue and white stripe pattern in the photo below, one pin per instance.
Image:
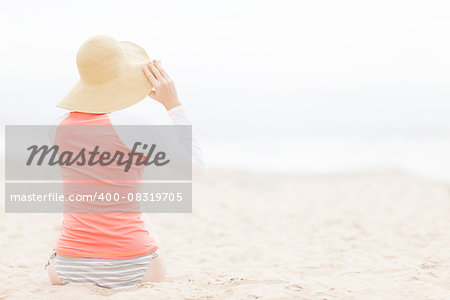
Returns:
(107, 273)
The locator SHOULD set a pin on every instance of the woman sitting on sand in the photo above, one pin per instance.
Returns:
(114, 249)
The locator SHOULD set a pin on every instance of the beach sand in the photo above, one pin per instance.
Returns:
(274, 236)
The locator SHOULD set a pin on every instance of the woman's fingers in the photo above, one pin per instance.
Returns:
(161, 70)
(149, 75)
(162, 84)
(155, 71)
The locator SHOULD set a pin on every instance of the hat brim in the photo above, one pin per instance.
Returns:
(128, 88)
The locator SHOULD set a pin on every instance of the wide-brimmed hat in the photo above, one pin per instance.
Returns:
(111, 76)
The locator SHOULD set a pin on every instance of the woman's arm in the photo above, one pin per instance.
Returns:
(165, 93)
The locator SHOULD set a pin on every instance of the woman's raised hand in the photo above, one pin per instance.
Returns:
(164, 89)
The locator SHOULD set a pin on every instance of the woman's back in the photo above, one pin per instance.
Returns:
(105, 224)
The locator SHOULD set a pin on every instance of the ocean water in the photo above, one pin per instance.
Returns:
(265, 139)
(331, 130)
(423, 156)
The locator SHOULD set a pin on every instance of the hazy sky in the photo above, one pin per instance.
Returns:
(304, 65)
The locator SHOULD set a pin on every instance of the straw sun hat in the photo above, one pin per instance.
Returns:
(111, 76)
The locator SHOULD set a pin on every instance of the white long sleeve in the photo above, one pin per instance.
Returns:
(179, 117)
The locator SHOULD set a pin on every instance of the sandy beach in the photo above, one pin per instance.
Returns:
(271, 236)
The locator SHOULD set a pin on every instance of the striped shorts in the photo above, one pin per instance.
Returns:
(106, 273)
